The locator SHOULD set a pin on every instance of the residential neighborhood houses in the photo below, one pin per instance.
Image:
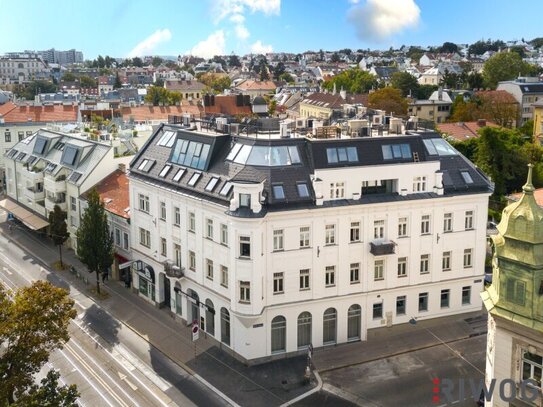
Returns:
(283, 204)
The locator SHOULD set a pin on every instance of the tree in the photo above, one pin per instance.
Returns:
(58, 229)
(234, 61)
(519, 50)
(117, 84)
(388, 99)
(33, 323)
(503, 66)
(68, 77)
(94, 241)
(352, 80)
(498, 106)
(49, 394)
(264, 75)
(216, 82)
(449, 47)
(156, 61)
(158, 95)
(474, 80)
(537, 42)
(335, 58)
(30, 90)
(450, 80)
(425, 91)
(159, 82)
(405, 82)
(286, 77)
(278, 70)
(87, 82)
(137, 62)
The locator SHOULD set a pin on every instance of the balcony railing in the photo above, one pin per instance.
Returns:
(381, 248)
(172, 270)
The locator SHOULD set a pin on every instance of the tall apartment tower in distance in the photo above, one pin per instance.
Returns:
(514, 302)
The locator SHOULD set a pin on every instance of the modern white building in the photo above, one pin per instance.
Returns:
(274, 243)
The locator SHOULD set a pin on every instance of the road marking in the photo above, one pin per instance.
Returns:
(124, 379)
(7, 270)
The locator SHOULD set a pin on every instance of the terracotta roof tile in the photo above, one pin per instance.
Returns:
(7, 107)
(51, 113)
(257, 85)
(113, 191)
(462, 131)
(142, 113)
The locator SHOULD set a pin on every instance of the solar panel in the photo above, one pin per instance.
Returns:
(69, 155)
(39, 146)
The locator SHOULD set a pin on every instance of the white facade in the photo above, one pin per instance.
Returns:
(22, 68)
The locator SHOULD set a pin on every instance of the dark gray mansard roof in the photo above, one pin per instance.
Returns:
(313, 156)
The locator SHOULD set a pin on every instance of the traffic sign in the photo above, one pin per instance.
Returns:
(195, 330)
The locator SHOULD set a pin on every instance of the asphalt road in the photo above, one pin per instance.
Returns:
(109, 363)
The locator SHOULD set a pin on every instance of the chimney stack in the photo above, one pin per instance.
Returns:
(122, 167)
(343, 93)
(481, 122)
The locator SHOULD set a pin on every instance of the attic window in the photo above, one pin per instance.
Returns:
(143, 164)
(438, 146)
(165, 171)
(50, 167)
(278, 192)
(28, 139)
(21, 156)
(75, 176)
(396, 151)
(303, 191)
(39, 146)
(12, 153)
(167, 139)
(226, 188)
(467, 177)
(179, 174)
(194, 179)
(212, 184)
(342, 155)
(59, 146)
(69, 155)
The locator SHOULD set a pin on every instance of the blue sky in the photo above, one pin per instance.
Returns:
(123, 28)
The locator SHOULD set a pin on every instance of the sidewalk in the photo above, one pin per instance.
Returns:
(269, 384)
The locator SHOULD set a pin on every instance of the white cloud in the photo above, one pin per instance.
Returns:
(237, 18)
(147, 46)
(379, 19)
(354, 1)
(242, 32)
(212, 45)
(259, 48)
(225, 8)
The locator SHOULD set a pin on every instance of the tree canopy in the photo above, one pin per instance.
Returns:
(58, 229)
(352, 80)
(159, 95)
(33, 323)
(216, 82)
(388, 99)
(405, 82)
(31, 89)
(496, 106)
(480, 47)
(504, 66)
(87, 82)
(449, 47)
(49, 393)
(233, 60)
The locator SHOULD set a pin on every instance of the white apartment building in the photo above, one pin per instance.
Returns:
(22, 67)
(526, 91)
(50, 168)
(273, 243)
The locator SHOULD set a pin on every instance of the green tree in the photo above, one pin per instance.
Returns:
(449, 47)
(30, 90)
(286, 77)
(519, 50)
(233, 60)
(450, 80)
(264, 75)
(474, 80)
(68, 77)
(537, 42)
(49, 393)
(158, 95)
(159, 82)
(87, 82)
(503, 66)
(137, 62)
(94, 241)
(352, 80)
(278, 70)
(156, 61)
(33, 323)
(216, 82)
(425, 91)
(388, 99)
(405, 82)
(58, 229)
(117, 84)
(335, 58)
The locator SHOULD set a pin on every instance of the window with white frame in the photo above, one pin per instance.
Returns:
(402, 227)
(337, 190)
(245, 247)
(192, 222)
(425, 225)
(355, 273)
(177, 254)
(278, 239)
(209, 228)
(379, 229)
(330, 276)
(466, 295)
(379, 270)
(424, 263)
(330, 235)
(447, 223)
(224, 234)
(278, 283)
(304, 279)
(73, 205)
(125, 241)
(192, 260)
(176, 216)
(224, 276)
(402, 266)
(73, 221)
(209, 269)
(245, 200)
(468, 258)
(304, 236)
(419, 184)
(162, 210)
(446, 261)
(355, 232)
(245, 291)
(468, 222)
(163, 247)
(532, 366)
(143, 203)
(117, 237)
(145, 237)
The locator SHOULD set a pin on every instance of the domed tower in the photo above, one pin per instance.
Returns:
(514, 302)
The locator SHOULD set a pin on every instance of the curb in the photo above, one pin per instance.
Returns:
(308, 393)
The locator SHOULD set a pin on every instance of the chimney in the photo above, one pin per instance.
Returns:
(122, 167)
(481, 122)
(343, 93)
(440, 93)
(334, 91)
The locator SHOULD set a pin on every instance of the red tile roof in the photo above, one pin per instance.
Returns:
(113, 191)
(142, 113)
(462, 131)
(227, 105)
(6, 108)
(50, 113)
(257, 85)
(538, 195)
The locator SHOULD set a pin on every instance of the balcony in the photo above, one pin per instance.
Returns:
(50, 203)
(33, 175)
(55, 185)
(172, 270)
(381, 248)
(35, 194)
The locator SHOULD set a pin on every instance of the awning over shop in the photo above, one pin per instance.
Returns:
(31, 220)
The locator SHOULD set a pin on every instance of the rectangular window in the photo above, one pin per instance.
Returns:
(209, 228)
(378, 310)
(73, 205)
(143, 203)
(446, 262)
(468, 258)
(466, 295)
(378, 270)
(445, 298)
(177, 254)
(192, 260)
(125, 241)
(7, 136)
(355, 273)
(209, 269)
(419, 184)
(447, 223)
(21, 135)
(278, 283)
(425, 225)
(145, 237)
(424, 263)
(355, 232)
(423, 302)
(337, 190)
(117, 237)
(278, 240)
(162, 210)
(245, 246)
(402, 266)
(379, 229)
(176, 216)
(192, 222)
(330, 234)
(532, 367)
(400, 305)
(224, 234)
(468, 223)
(402, 227)
(516, 291)
(245, 200)
(224, 276)
(163, 247)
(304, 237)
(330, 277)
(304, 279)
(245, 291)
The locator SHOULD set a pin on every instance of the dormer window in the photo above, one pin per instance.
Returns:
(278, 192)
(245, 200)
(69, 155)
(303, 191)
